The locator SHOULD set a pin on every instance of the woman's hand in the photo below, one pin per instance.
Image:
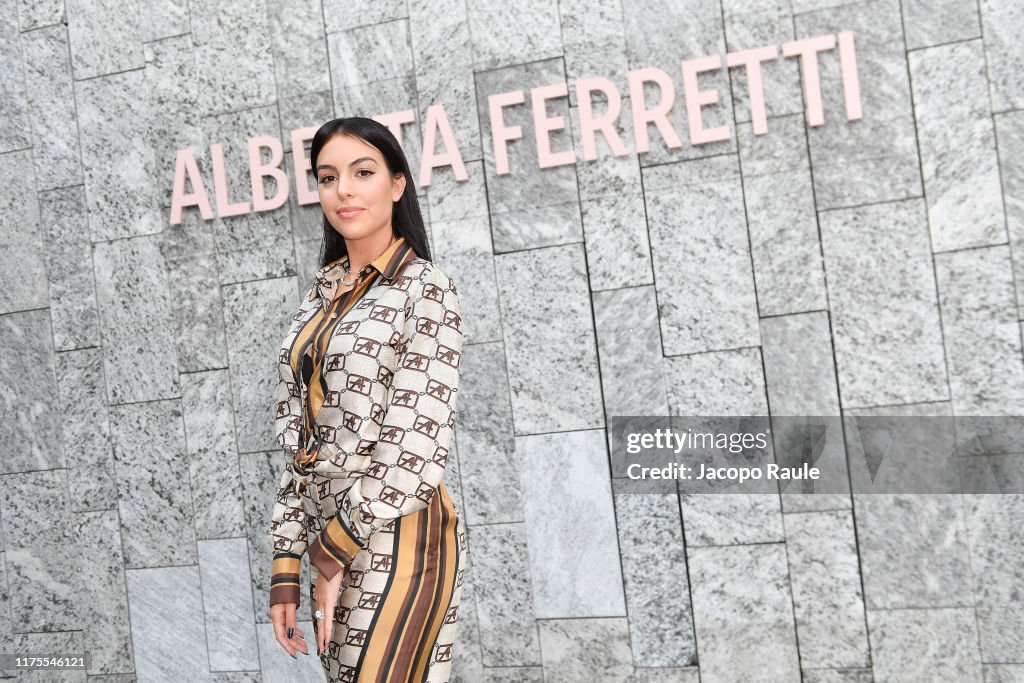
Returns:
(283, 616)
(327, 591)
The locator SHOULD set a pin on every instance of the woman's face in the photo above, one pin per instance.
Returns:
(351, 174)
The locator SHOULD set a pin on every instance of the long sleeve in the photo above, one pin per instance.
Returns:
(287, 527)
(409, 458)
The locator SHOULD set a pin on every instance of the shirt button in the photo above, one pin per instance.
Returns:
(334, 315)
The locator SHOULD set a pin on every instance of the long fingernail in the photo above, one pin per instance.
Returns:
(291, 632)
(294, 657)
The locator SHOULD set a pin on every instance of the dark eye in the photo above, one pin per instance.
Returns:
(368, 172)
(325, 178)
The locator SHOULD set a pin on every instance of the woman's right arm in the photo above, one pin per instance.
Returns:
(288, 521)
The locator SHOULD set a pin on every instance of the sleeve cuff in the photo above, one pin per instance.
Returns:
(334, 547)
(284, 578)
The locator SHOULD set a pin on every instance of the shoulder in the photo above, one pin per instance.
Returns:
(426, 276)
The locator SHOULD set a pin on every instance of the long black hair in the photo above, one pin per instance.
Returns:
(406, 219)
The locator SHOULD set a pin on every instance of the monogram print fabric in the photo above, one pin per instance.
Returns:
(365, 414)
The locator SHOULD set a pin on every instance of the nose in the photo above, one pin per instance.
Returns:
(342, 187)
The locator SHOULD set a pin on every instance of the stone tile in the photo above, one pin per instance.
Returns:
(689, 674)
(106, 629)
(32, 420)
(39, 558)
(743, 613)
(85, 430)
(569, 512)
(825, 574)
(34, 14)
(1003, 673)
(913, 550)
(69, 268)
(530, 206)
(997, 564)
(153, 493)
(276, 666)
(754, 24)
(234, 60)
(875, 158)
(611, 197)
(1000, 23)
(510, 674)
(924, 644)
(114, 114)
(939, 21)
(443, 63)
(105, 38)
(629, 344)
(139, 359)
(1010, 145)
(370, 53)
(23, 284)
(160, 19)
(585, 650)
(488, 459)
(504, 597)
(167, 620)
(174, 118)
(341, 16)
(252, 245)
(782, 223)
(513, 34)
(801, 382)
(16, 129)
(958, 156)
(719, 384)
(462, 244)
(886, 330)
(193, 283)
(299, 46)
(256, 314)
(51, 101)
(69, 642)
(837, 676)
(979, 323)
(303, 110)
(660, 39)
(706, 296)
(227, 604)
(593, 42)
(467, 658)
(656, 583)
(212, 456)
(539, 330)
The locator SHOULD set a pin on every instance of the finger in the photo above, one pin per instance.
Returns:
(279, 633)
(295, 641)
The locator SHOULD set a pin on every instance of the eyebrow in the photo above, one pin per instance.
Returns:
(351, 163)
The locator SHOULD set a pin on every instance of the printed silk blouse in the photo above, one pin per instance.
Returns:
(368, 383)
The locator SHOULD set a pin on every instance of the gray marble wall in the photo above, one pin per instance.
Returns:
(866, 267)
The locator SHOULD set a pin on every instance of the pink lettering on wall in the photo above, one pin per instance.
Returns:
(437, 130)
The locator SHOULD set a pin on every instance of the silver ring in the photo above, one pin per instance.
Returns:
(319, 614)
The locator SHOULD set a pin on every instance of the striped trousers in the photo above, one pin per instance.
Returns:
(395, 621)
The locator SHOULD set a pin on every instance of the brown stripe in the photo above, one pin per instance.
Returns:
(415, 554)
(412, 630)
(442, 591)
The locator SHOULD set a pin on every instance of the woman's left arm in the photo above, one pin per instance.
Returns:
(410, 457)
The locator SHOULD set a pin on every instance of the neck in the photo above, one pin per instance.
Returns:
(365, 250)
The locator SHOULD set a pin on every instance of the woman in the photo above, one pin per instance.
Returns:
(369, 374)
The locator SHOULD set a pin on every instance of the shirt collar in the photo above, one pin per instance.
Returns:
(387, 264)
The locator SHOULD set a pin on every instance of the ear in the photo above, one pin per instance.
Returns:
(397, 186)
